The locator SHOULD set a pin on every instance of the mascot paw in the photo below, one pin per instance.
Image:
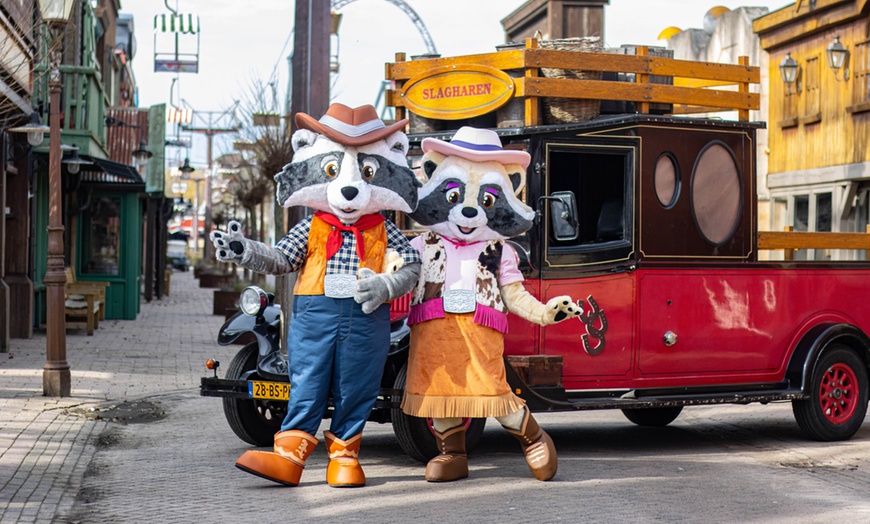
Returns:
(393, 261)
(560, 308)
(229, 245)
(371, 290)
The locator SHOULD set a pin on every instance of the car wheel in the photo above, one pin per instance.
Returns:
(417, 437)
(837, 403)
(254, 421)
(653, 417)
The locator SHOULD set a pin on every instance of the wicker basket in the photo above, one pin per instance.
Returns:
(564, 110)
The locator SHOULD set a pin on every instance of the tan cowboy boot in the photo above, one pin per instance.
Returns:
(537, 446)
(452, 463)
(344, 470)
(285, 464)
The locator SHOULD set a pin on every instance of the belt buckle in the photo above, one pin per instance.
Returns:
(339, 285)
(459, 301)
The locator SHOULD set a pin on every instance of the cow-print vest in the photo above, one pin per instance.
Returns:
(426, 300)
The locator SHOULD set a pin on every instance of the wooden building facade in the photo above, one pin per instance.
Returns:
(819, 124)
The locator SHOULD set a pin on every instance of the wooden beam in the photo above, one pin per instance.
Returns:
(652, 93)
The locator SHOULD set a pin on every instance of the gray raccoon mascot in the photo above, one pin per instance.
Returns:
(349, 166)
(469, 282)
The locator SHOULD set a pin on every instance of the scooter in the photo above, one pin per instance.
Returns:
(256, 384)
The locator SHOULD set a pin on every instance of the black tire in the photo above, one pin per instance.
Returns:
(837, 404)
(415, 434)
(254, 421)
(653, 417)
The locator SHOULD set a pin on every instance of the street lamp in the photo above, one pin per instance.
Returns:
(837, 53)
(788, 69)
(56, 373)
(73, 163)
(141, 155)
(35, 129)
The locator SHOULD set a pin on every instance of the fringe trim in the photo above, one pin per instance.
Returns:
(458, 407)
(429, 310)
(491, 318)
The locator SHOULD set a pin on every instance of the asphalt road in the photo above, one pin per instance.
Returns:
(745, 464)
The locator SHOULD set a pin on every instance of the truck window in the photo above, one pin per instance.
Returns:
(599, 178)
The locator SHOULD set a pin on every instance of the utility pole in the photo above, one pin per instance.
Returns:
(310, 95)
(210, 123)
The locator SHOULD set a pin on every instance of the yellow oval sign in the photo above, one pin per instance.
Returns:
(457, 92)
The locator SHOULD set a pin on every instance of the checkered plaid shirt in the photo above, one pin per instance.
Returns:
(295, 247)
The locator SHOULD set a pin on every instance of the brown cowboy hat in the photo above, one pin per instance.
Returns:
(348, 126)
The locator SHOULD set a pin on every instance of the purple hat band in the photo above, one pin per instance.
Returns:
(476, 147)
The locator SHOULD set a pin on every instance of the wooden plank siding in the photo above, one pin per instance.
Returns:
(827, 123)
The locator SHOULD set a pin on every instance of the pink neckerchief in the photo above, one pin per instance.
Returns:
(460, 243)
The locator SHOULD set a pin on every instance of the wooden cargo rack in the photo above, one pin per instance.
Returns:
(789, 241)
(697, 86)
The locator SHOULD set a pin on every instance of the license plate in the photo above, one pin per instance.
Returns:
(268, 390)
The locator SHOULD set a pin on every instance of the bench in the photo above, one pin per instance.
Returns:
(84, 303)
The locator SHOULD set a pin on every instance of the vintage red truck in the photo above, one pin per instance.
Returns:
(650, 220)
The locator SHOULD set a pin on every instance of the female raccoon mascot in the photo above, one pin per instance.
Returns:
(348, 166)
(469, 281)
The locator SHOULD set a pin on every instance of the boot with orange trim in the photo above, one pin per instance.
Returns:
(344, 470)
(285, 464)
(537, 446)
(452, 463)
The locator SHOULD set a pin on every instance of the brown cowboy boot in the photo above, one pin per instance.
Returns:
(285, 464)
(344, 470)
(537, 446)
(452, 463)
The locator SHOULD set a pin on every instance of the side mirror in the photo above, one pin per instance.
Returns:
(563, 215)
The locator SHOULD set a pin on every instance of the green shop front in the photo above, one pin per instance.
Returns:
(103, 238)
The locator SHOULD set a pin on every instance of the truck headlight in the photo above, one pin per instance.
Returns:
(253, 301)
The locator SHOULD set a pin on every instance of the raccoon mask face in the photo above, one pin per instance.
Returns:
(472, 201)
(346, 181)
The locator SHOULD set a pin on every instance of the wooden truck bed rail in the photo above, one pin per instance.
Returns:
(695, 86)
(789, 241)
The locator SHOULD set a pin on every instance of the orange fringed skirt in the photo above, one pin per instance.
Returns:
(456, 369)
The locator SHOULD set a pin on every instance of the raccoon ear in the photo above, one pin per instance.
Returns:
(398, 143)
(430, 162)
(517, 176)
(302, 138)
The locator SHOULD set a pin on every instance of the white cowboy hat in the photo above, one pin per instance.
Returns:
(477, 145)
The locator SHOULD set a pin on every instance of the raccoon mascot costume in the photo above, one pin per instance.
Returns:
(469, 282)
(349, 166)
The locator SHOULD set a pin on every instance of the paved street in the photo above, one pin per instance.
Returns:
(166, 454)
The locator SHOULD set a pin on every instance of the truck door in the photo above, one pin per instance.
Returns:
(596, 267)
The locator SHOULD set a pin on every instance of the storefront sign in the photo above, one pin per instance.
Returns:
(457, 92)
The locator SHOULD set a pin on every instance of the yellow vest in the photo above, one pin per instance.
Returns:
(310, 279)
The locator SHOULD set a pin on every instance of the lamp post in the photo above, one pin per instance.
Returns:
(56, 373)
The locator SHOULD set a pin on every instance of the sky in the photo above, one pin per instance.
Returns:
(243, 41)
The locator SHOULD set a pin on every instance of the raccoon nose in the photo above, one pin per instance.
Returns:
(349, 192)
(469, 212)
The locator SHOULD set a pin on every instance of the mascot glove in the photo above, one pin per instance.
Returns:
(229, 246)
(561, 308)
(373, 289)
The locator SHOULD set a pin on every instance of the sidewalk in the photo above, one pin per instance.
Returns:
(45, 450)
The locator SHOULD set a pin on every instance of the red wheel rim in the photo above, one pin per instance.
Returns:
(838, 393)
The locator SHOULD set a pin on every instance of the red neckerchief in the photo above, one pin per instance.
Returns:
(335, 240)
(460, 243)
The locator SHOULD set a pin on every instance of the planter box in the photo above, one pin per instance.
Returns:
(224, 300)
(216, 280)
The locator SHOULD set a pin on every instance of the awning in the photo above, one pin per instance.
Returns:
(111, 173)
(180, 23)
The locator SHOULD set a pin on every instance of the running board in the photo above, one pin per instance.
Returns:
(556, 399)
